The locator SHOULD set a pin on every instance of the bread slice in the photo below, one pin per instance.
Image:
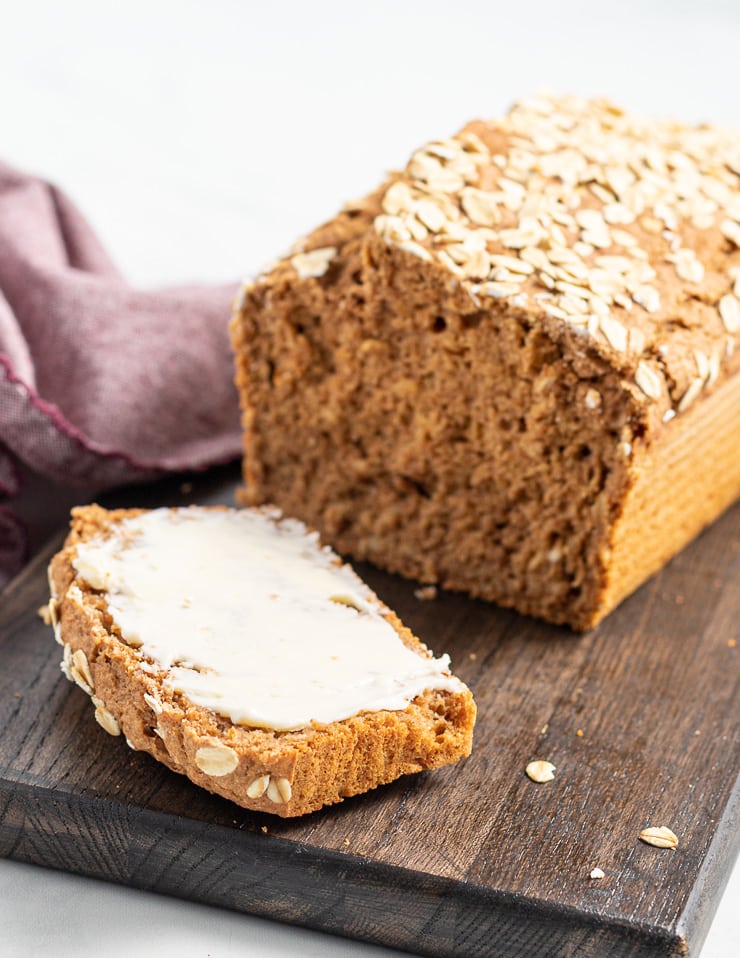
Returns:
(512, 369)
(147, 686)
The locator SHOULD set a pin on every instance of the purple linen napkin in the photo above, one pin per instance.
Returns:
(100, 383)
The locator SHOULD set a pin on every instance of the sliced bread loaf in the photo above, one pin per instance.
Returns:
(513, 369)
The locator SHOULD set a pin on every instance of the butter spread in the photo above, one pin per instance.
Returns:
(251, 617)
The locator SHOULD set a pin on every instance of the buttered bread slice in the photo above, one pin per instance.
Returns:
(237, 650)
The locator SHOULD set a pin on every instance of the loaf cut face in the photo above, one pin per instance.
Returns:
(235, 649)
(511, 370)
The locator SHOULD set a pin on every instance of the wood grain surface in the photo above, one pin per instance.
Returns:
(640, 718)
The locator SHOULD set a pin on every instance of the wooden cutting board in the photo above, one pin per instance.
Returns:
(641, 718)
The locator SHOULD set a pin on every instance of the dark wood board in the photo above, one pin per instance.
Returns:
(473, 860)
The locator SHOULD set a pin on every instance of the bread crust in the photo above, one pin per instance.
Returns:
(294, 772)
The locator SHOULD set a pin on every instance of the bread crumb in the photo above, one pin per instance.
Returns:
(579, 732)
(264, 829)
(731, 643)
(425, 593)
(44, 614)
(597, 873)
(473, 656)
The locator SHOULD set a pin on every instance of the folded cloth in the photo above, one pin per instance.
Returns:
(100, 383)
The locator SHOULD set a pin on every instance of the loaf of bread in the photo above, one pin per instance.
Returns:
(235, 649)
(510, 370)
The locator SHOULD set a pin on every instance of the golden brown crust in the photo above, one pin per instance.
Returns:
(283, 773)
(679, 485)
(471, 383)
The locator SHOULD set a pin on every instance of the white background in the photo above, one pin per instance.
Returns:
(202, 138)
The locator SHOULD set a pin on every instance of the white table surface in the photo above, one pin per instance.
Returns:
(202, 138)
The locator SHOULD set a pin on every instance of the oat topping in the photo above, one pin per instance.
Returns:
(580, 213)
(105, 719)
(258, 787)
(660, 836)
(216, 760)
(82, 666)
(729, 310)
(694, 389)
(75, 666)
(731, 229)
(648, 380)
(315, 263)
(154, 704)
(279, 791)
